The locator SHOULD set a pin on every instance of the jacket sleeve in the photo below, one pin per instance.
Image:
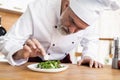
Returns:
(90, 42)
(16, 37)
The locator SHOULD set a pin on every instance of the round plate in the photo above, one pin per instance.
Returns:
(34, 68)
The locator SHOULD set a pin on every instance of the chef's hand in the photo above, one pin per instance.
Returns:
(32, 48)
(86, 60)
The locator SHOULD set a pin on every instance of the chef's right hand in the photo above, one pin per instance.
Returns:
(32, 48)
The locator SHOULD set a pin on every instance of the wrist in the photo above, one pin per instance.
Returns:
(17, 55)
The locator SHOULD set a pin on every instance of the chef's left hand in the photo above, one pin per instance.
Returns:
(90, 62)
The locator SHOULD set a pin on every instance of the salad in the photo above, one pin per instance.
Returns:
(50, 64)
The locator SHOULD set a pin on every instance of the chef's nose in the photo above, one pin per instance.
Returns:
(72, 29)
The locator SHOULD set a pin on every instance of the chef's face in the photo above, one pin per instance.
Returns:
(70, 23)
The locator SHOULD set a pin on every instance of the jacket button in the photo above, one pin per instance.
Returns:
(55, 26)
(48, 53)
(53, 44)
(66, 54)
(73, 42)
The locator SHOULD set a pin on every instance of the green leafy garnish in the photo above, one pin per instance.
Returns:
(50, 64)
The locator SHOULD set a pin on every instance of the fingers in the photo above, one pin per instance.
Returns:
(80, 62)
(85, 60)
(90, 62)
(34, 47)
(26, 51)
(100, 65)
(39, 46)
(30, 43)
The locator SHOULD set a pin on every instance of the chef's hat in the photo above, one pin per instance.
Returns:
(89, 10)
(85, 10)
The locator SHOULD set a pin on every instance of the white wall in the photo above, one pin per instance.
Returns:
(109, 26)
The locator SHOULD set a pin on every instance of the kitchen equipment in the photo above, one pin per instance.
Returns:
(116, 53)
(2, 29)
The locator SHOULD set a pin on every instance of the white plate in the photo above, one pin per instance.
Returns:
(34, 68)
(2, 58)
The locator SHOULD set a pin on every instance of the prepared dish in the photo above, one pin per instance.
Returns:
(50, 64)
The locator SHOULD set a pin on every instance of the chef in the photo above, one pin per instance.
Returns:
(50, 29)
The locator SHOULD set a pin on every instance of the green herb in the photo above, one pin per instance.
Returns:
(50, 64)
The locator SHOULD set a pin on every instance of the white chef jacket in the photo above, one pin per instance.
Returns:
(40, 21)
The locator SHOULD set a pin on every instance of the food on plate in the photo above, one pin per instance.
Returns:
(50, 64)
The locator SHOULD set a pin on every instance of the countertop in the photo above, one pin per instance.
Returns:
(74, 72)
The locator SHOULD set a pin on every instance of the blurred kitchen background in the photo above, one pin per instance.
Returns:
(108, 26)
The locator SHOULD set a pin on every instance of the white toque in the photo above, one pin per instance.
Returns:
(89, 10)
